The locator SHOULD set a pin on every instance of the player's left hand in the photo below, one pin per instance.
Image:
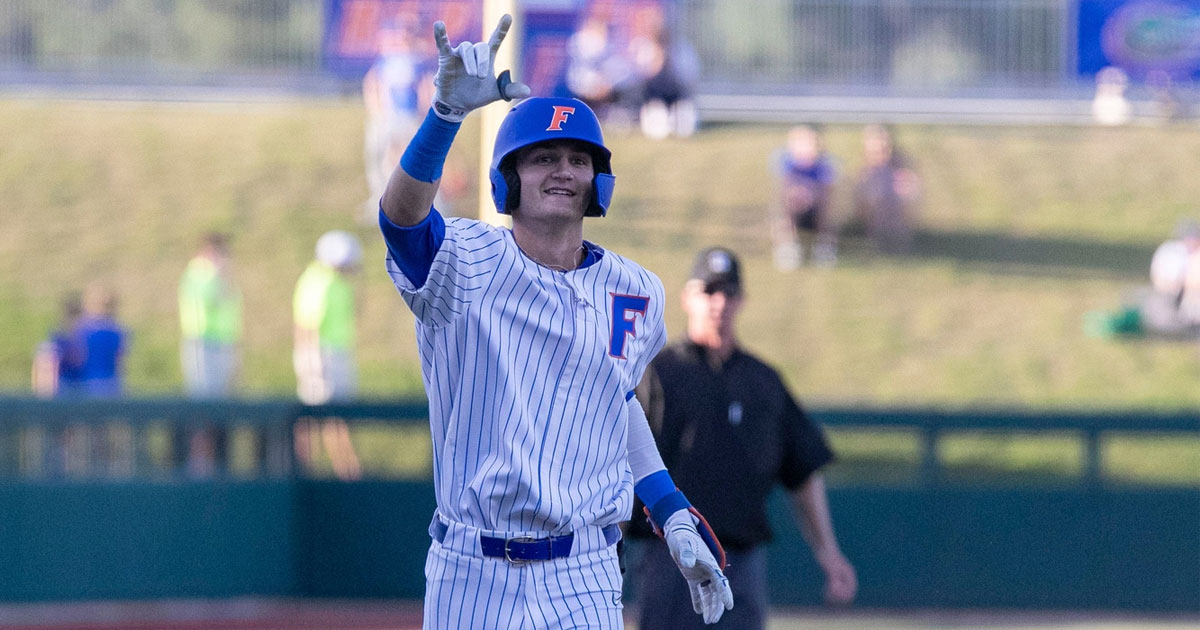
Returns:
(711, 595)
(466, 78)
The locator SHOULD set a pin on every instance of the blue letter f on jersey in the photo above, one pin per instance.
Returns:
(623, 309)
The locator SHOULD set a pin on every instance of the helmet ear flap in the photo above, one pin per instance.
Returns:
(506, 186)
(602, 192)
(512, 182)
(513, 199)
(602, 185)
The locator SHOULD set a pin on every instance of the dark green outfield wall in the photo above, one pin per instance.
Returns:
(364, 539)
(127, 541)
(931, 541)
(1005, 548)
(1025, 548)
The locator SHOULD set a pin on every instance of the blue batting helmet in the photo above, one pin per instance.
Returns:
(542, 119)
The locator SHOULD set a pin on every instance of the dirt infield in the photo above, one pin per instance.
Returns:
(223, 614)
(282, 614)
(852, 619)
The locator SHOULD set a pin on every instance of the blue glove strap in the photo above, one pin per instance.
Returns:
(426, 153)
(668, 505)
(653, 487)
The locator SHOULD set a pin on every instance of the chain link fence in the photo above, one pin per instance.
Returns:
(180, 42)
(782, 46)
(766, 46)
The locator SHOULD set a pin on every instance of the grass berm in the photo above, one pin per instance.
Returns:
(1023, 230)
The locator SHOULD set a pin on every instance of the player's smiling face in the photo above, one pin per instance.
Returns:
(556, 180)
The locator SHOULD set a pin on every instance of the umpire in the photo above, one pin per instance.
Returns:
(729, 430)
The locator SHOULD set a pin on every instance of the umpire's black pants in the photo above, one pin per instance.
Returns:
(666, 602)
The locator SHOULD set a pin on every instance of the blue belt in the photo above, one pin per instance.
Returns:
(525, 549)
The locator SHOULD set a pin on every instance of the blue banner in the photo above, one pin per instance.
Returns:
(1142, 37)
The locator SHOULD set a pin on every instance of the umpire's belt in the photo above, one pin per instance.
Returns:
(524, 549)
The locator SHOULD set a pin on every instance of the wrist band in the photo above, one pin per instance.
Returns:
(426, 152)
(449, 113)
(668, 505)
(654, 487)
(661, 497)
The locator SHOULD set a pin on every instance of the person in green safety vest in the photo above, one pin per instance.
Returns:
(210, 322)
(323, 353)
(210, 318)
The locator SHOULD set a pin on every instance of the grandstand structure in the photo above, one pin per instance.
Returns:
(1004, 61)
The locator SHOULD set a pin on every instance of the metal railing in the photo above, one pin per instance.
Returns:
(168, 438)
(148, 439)
(1088, 429)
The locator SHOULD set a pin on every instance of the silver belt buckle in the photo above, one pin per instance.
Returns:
(517, 561)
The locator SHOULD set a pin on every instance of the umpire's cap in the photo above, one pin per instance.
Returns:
(542, 119)
(718, 268)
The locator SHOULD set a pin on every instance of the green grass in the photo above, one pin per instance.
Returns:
(1023, 231)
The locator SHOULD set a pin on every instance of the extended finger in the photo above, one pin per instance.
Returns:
(439, 36)
(697, 601)
(726, 595)
(510, 90)
(499, 33)
(515, 90)
(466, 52)
(483, 60)
(712, 604)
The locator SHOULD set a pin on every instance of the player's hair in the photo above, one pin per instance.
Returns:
(508, 168)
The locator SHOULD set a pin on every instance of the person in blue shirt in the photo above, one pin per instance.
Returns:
(806, 175)
(58, 361)
(104, 340)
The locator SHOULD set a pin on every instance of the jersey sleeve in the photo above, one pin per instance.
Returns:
(805, 447)
(454, 273)
(413, 248)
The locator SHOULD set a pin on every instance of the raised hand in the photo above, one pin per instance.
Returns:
(466, 79)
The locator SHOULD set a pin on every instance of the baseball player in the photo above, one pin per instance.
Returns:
(531, 342)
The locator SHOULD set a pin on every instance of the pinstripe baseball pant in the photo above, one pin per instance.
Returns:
(466, 590)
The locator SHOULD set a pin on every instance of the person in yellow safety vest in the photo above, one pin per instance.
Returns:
(323, 354)
(210, 320)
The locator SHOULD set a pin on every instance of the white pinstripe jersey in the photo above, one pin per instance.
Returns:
(526, 370)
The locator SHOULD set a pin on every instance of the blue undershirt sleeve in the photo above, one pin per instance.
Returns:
(414, 248)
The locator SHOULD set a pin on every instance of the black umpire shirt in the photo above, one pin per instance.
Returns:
(727, 434)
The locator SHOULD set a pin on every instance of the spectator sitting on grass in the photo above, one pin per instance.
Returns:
(886, 193)
(806, 174)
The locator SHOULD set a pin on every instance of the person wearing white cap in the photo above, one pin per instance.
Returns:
(323, 354)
